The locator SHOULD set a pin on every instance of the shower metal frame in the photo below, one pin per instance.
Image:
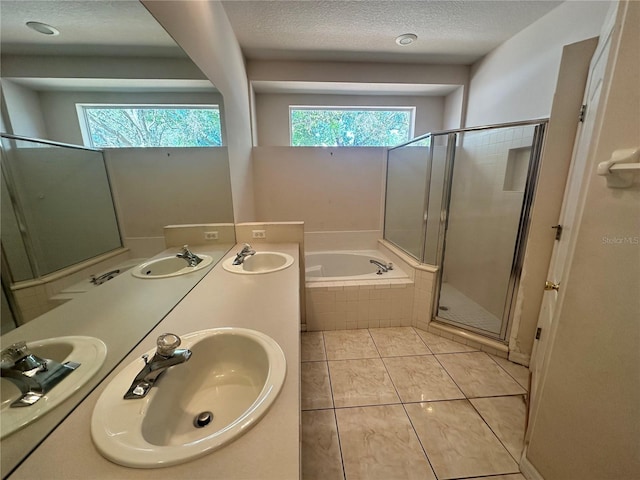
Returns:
(523, 224)
(25, 235)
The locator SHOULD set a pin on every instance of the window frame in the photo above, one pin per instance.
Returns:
(81, 109)
(385, 108)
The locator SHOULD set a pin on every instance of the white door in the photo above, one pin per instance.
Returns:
(570, 205)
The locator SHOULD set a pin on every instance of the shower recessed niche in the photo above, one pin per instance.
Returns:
(515, 175)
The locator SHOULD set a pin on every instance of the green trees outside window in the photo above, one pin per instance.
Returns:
(321, 127)
(113, 126)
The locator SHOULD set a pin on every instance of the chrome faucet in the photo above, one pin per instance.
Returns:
(34, 376)
(382, 267)
(243, 254)
(167, 355)
(104, 277)
(191, 258)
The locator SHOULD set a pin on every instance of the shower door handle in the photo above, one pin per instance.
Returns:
(551, 286)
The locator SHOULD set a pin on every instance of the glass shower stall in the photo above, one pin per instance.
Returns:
(460, 200)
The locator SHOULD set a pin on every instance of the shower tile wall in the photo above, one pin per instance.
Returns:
(486, 200)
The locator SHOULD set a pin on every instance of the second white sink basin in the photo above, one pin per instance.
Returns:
(89, 352)
(230, 381)
(260, 262)
(169, 267)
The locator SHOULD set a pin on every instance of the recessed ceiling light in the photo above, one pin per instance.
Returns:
(406, 39)
(43, 28)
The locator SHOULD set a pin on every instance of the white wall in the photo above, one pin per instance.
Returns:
(587, 425)
(106, 67)
(61, 117)
(357, 72)
(154, 187)
(272, 111)
(454, 105)
(204, 32)
(22, 107)
(560, 137)
(330, 189)
(516, 81)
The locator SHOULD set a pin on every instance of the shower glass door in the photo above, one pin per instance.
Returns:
(493, 176)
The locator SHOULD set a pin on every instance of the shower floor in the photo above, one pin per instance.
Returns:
(461, 309)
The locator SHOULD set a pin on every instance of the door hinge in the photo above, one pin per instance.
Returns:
(538, 331)
(558, 231)
(583, 113)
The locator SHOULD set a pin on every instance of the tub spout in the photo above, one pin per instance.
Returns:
(382, 267)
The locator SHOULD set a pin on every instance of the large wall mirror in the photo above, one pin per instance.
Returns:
(75, 203)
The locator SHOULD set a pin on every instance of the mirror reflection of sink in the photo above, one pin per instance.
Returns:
(89, 352)
(230, 381)
(260, 262)
(169, 267)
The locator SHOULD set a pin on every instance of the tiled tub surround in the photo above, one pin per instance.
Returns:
(36, 297)
(365, 301)
(363, 304)
(402, 403)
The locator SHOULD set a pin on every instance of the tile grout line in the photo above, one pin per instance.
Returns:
(507, 372)
(497, 437)
(409, 417)
(335, 417)
(467, 398)
(451, 377)
(401, 402)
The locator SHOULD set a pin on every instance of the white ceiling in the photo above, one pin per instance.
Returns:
(91, 28)
(87, 27)
(452, 31)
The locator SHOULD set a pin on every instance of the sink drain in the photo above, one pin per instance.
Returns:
(443, 308)
(202, 419)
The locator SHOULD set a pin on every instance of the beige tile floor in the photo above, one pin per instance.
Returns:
(401, 404)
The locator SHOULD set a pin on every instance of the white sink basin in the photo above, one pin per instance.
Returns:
(169, 267)
(260, 262)
(233, 373)
(90, 352)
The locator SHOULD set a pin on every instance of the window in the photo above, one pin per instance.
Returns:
(350, 126)
(114, 126)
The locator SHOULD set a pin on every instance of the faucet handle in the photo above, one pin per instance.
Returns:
(14, 352)
(167, 344)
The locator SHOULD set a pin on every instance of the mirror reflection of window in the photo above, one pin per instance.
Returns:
(121, 126)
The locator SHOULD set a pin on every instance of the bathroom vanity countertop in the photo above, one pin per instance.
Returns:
(119, 312)
(270, 450)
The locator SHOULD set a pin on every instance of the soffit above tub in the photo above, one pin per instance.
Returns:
(452, 32)
(115, 85)
(345, 88)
